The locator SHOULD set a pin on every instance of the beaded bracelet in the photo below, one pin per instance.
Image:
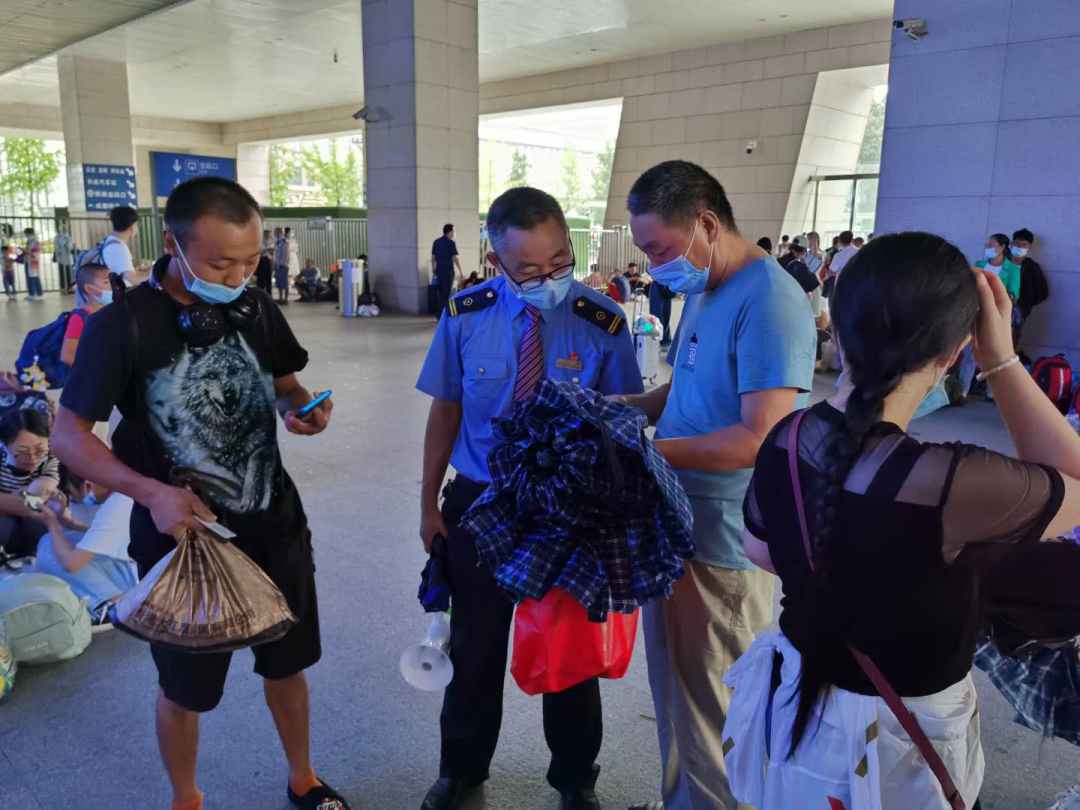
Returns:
(986, 375)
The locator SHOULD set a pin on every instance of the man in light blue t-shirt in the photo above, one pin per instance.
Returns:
(743, 357)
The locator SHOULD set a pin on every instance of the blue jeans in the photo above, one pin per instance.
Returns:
(99, 580)
(33, 285)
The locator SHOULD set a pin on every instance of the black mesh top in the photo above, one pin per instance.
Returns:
(907, 511)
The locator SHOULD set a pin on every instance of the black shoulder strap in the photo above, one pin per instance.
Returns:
(471, 301)
(598, 315)
(891, 476)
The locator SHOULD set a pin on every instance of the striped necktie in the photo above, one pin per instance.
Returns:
(530, 356)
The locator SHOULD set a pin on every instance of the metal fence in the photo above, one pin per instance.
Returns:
(322, 240)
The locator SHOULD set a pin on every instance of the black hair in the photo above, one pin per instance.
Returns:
(1024, 235)
(362, 256)
(449, 226)
(678, 191)
(6, 230)
(208, 197)
(1001, 239)
(765, 243)
(846, 237)
(123, 217)
(523, 207)
(28, 231)
(835, 239)
(902, 302)
(785, 238)
(85, 275)
(29, 419)
(632, 264)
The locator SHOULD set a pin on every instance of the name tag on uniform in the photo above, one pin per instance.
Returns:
(572, 362)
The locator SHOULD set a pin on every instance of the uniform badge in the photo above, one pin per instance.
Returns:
(572, 362)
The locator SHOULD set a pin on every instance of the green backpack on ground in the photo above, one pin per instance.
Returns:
(7, 665)
(45, 621)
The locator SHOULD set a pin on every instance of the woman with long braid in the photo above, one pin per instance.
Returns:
(887, 566)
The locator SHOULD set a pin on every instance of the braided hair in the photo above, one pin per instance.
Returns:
(903, 301)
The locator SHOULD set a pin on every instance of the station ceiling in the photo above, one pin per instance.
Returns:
(227, 60)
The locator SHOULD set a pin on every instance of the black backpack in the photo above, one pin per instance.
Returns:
(1034, 288)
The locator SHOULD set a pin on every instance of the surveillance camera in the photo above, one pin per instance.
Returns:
(750, 147)
(914, 27)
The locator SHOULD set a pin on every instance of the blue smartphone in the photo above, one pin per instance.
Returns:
(319, 398)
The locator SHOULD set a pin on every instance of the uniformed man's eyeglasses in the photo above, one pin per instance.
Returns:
(535, 282)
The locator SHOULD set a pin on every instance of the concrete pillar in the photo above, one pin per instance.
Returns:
(253, 170)
(421, 93)
(96, 117)
(981, 129)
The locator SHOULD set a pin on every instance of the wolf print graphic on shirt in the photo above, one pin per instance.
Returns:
(213, 412)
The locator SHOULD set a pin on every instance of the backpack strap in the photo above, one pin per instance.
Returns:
(877, 677)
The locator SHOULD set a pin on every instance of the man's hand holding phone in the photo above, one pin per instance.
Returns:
(312, 418)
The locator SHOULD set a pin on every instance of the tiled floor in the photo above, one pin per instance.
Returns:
(79, 736)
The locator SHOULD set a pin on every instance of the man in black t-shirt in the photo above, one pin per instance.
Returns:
(198, 364)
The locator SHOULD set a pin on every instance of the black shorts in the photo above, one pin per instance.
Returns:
(196, 681)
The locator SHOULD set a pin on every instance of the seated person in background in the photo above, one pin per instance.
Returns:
(765, 243)
(619, 288)
(95, 564)
(27, 467)
(309, 283)
(633, 275)
(472, 280)
(92, 292)
(595, 279)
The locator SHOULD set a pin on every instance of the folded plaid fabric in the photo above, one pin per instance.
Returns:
(581, 500)
(1043, 688)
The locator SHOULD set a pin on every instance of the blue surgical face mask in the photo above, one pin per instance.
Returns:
(935, 400)
(680, 275)
(104, 297)
(205, 290)
(1019, 252)
(547, 296)
(991, 253)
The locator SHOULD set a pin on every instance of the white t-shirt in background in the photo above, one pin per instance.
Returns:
(110, 528)
(842, 257)
(117, 256)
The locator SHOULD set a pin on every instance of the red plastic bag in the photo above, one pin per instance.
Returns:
(556, 646)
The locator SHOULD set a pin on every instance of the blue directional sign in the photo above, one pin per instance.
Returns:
(171, 169)
(108, 186)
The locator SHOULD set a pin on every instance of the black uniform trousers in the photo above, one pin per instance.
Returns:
(479, 633)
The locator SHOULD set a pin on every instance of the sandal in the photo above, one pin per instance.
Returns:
(322, 797)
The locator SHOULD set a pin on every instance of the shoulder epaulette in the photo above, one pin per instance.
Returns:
(471, 301)
(598, 315)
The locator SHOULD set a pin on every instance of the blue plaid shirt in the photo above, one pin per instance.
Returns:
(581, 500)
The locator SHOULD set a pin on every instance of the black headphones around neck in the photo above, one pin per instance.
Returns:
(201, 324)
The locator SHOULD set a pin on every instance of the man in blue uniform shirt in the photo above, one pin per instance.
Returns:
(742, 358)
(493, 345)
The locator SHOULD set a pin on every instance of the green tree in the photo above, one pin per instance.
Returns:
(571, 183)
(281, 169)
(519, 170)
(339, 180)
(601, 174)
(29, 168)
(870, 151)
